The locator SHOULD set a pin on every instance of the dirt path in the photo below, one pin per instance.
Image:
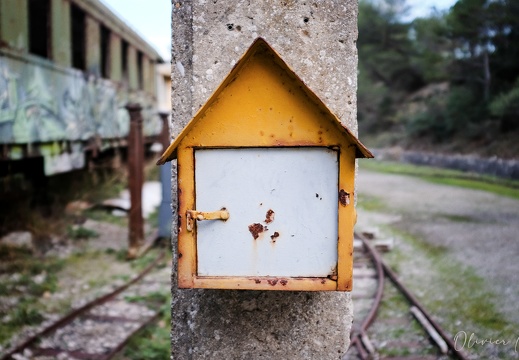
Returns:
(478, 229)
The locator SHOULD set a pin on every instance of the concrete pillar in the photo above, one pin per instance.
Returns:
(115, 57)
(93, 46)
(61, 33)
(133, 77)
(14, 26)
(318, 41)
(148, 75)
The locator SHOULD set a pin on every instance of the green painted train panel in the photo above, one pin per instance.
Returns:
(43, 103)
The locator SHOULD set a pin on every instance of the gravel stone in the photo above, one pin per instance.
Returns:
(90, 336)
(120, 308)
(21, 239)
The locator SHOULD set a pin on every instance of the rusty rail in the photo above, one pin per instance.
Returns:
(356, 338)
(68, 318)
(410, 297)
(381, 265)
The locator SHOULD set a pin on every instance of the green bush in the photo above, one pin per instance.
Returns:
(457, 116)
(81, 233)
(505, 107)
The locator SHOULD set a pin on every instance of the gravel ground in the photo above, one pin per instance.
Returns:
(478, 230)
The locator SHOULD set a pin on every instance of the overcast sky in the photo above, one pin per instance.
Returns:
(152, 18)
(422, 8)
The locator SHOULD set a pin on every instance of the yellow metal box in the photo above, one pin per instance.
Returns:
(265, 185)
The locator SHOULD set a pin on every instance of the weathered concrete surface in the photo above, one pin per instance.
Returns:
(316, 39)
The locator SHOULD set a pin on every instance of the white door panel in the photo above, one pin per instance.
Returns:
(298, 186)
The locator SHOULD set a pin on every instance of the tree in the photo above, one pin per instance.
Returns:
(474, 47)
(470, 29)
(385, 48)
(386, 71)
(486, 33)
(433, 48)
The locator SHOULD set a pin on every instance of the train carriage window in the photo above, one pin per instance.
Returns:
(39, 28)
(77, 18)
(105, 52)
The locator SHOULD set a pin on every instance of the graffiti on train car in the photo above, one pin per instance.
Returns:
(42, 104)
(48, 105)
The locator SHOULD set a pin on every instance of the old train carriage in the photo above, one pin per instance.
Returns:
(67, 69)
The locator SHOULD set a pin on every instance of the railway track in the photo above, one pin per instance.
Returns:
(99, 329)
(404, 330)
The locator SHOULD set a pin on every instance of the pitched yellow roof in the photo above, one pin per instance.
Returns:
(260, 46)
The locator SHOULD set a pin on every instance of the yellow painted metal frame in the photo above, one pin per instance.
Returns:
(262, 103)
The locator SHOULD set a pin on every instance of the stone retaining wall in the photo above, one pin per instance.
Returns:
(494, 166)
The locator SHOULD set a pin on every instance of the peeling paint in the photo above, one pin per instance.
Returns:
(270, 216)
(272, 282)
(256, 229)
(344, 197)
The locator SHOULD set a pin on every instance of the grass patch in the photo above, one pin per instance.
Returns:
(504, 187)
(153, 343)
(457, 218)
(395, 306)
(78, 233)
(153, 219)
(475, 184)
(124, 278)
(142, 262)
(83, 274)
(26, 279)
(155, 297)
(151, 171)
(105, 216)
(454, 293)
(24, 314)
(370, 203)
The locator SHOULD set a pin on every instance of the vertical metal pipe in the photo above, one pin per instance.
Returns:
(165, 212)
(135, 180)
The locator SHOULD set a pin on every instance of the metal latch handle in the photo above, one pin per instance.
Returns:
(192, 215)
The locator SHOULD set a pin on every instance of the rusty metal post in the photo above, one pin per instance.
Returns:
(135, 180)
(165, 211)
(164, 135)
